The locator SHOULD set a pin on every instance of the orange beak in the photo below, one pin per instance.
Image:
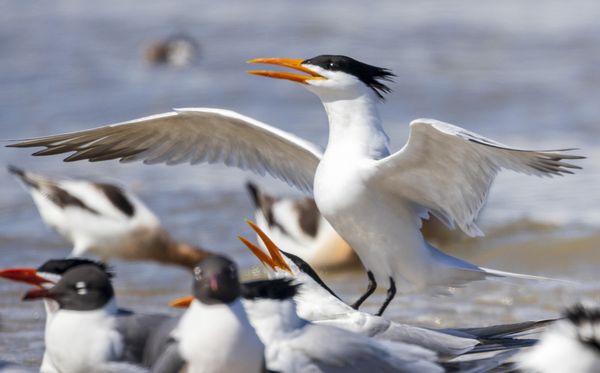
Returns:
(286, 62)
(26, 275)
(183, 302)
(276, 259)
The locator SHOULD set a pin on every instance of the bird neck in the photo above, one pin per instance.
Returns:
(163, 248)
(273, 318)
(184, 254)
(355, 126)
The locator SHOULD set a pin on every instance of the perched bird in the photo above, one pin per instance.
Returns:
(572, 344)
(320, 304)
(297, 226)
(214, 334)
(373, 198)
(105, 220)
(293, 344)
(85, 330)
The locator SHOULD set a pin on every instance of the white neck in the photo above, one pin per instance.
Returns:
(273, 318)
(354, 125)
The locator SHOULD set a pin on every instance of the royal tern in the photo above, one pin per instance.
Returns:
(104, 220)
(214, 334)
(80, 306)
(320, 304)
(293, 344)
(373, 198)
(572, 344)
(296, 225)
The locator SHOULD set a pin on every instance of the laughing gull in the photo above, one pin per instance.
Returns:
(84, 327)
(214, 334)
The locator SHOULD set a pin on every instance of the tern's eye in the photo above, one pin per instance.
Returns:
(197, 273)
(333, 65)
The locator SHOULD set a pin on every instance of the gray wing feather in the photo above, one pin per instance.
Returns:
(137, 330)
(450, 170)
(170, 361)
(193, 136)
(329, 349)
(504, 330)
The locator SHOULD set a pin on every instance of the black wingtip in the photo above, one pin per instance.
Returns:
(278, 289)
(254, 193)
(15, 170)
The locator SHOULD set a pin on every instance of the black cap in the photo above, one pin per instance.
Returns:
(371, 75)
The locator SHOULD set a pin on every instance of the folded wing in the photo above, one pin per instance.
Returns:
(197, 135)
(449, 170)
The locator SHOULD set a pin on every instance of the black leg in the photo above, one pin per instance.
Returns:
(390, 295)
(370, 289)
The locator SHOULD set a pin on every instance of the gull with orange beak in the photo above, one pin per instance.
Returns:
(373, 198)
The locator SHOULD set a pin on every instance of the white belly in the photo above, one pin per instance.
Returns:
(219, 338)
(81, 341)
(383, 231)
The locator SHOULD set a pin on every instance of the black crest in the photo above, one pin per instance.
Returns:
(581, 316)
(60, 266)
(278, 289)
(372, 76)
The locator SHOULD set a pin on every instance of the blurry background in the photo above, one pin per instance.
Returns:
(524, 73)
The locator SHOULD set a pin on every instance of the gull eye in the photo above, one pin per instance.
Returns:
(81, 288)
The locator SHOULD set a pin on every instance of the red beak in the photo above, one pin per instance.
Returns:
(26, 275)
(37, 293)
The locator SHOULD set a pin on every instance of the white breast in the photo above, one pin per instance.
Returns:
(219, 338)
(79, 341)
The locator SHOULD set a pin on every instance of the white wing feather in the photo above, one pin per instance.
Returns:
(193, 135)
(450, 170)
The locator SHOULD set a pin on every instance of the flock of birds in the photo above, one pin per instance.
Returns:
(369, 204)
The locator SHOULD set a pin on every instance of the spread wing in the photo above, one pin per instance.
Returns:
(450, 170)
(197, 135)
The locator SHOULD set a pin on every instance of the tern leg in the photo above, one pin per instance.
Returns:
(390, 295)
(370, 289)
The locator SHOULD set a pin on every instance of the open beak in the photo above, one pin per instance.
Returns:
(26, 275)
(286, 62)
(37, 293)
(264, 258)
(183, 302)
(276, 259)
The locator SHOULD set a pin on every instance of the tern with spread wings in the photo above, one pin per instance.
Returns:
(374, 199)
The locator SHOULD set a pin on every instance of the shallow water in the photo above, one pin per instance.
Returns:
(524, 73)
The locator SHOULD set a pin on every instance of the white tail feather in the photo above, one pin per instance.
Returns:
(498, 273)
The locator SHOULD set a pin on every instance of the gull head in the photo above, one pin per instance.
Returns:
(216, 280)
(331, 76)
(82, 288)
